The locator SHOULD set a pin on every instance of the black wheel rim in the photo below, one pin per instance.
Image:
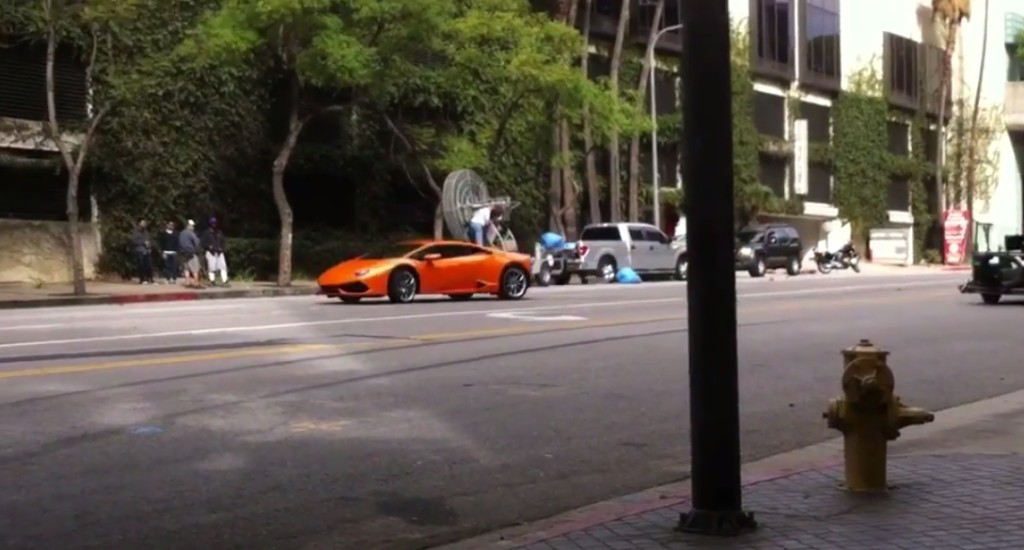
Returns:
(406, 284)
(515, 283)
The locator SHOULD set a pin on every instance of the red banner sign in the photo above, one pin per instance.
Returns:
(954, 235)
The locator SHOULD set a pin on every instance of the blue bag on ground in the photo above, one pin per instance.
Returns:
(627, 276)
(552, 241)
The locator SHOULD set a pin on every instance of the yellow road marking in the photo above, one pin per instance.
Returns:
(455, 336)
(157, 361)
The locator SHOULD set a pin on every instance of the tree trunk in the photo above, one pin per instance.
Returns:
(940, 133)
(614, 149)
(284, 209)
(439, 222)
(555, 182)
(634, 145)
(593, 189)
(72, 166)
(972, 158)
(570, 206)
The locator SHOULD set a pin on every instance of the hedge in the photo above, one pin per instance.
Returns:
(257, 257)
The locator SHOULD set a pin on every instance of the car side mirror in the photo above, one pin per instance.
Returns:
(431, 257)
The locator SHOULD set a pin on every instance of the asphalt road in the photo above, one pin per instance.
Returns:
(299, 423)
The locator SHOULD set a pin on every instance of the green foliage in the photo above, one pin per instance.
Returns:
(859, 153)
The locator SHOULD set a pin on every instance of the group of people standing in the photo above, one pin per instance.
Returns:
(180, 252)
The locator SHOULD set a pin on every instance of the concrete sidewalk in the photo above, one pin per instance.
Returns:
(957, 485)
(23, 295)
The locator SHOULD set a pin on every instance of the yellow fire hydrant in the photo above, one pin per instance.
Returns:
(869, 415)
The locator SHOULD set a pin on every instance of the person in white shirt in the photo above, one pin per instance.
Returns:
(482, 218)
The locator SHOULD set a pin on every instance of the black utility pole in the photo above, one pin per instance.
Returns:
(711, 288)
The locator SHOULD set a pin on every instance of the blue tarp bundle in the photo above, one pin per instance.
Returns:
(627, 276)
(552, 241)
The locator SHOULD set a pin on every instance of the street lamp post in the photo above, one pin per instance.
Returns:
(654, 121)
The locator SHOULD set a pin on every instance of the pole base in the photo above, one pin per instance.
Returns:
(719, 524)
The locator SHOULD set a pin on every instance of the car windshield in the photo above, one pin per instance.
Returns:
(750, 237)
(394, 250)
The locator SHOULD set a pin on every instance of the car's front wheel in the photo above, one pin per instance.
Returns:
(991, 299)
(758, 268)
(682, 265)
(514, 283)
(793, 266)
(402, 285)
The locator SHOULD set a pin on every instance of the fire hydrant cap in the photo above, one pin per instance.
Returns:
(864, 347)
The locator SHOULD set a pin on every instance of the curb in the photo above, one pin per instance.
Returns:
(182, 296)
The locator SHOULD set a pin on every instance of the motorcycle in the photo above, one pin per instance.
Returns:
(845, 257)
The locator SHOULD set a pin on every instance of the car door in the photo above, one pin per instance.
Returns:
(455, 270)
(773, 246)
(639, 255)
(662, 257)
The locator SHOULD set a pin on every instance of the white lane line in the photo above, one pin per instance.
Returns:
(460, 313)
(30, 327)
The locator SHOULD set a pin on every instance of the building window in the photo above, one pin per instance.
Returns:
(770, 114)
(773, 174)
(821, 51)
(899, 195)
(902, 70)
(819, 123)
(23, 83)
(1014, 64)
(819, 183)
(899, 138)
(771, 38)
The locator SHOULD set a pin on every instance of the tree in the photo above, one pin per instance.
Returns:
(972, 159)
(486, 102)
(634, 145)
(951, 13)
(593, 186)
(614, 150)
(85, 25)
(330, 56)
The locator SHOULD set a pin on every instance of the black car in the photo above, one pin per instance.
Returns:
(771, 246)
(996, 274)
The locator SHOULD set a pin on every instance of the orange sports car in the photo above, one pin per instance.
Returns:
(403, 270)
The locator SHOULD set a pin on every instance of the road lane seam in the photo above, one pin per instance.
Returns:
(457, 313)
(401, 342)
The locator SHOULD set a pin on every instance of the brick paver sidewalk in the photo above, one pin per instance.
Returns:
(941, 502)
(958, 485)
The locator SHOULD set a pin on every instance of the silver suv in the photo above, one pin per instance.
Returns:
(605, 247)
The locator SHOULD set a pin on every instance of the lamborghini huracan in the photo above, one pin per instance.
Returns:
(402, 271)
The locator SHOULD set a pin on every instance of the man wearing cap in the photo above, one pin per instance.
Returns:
(188, 250)
(214, 244)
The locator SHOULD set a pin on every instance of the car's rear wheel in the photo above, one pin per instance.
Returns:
(402, 285)
(460, 297)
(514, 283)
(991, 299)
(351, 299)
(606, 269)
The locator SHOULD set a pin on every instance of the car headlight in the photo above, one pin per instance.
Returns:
(361, 272)
(746, 251)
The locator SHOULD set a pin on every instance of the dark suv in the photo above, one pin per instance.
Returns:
(772, 246)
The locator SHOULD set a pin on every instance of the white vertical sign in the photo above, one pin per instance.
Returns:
(800, 156)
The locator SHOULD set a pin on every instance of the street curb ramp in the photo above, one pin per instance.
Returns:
(182, 296)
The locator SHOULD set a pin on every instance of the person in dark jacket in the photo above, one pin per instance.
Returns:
(169, 250)
(214, 244)
(142, 249)
(188, 254)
